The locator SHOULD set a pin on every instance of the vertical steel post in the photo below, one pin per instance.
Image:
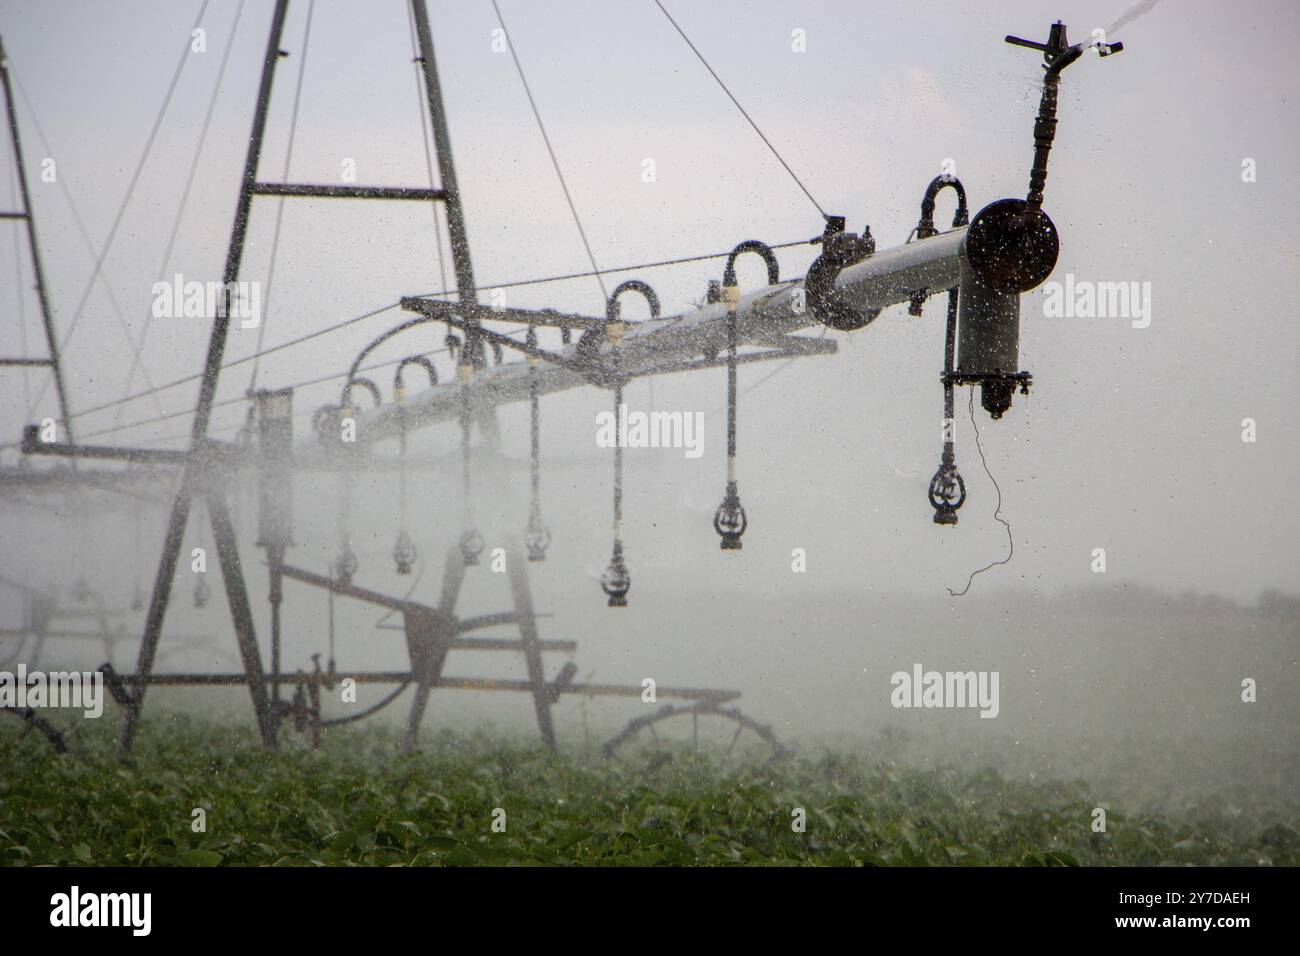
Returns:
(523, 595)
(47, 316)
(456, 234)
(446, 166)
(453, 575)
(207, 389)
(274, 410)
(223, 534)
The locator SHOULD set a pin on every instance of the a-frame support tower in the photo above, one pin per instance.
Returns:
(53, 362)
(197, 462)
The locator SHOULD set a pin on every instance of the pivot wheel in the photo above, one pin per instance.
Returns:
(705, 728)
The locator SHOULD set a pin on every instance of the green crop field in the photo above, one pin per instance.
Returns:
(355, 801)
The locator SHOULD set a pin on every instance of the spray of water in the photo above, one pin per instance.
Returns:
(1141, 8)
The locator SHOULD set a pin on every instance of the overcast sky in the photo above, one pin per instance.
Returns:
(1130, 440)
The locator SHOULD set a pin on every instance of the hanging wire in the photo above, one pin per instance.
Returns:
(729, 523)
(82, 231)
(595, 269)
(616, 581)
(537, 537)
(330, 664)
(947, 491)
(729, 520)
(947, 488)
(404, 549)
(241, 398)
(404, 553)
(126, 199)
(743, 112)
(346, 565)
(997, 512)
(471, 542)
(138, 351)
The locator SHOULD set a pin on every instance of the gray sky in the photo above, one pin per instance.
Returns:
(1131, 439)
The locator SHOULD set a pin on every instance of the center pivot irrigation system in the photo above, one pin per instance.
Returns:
(983, 264)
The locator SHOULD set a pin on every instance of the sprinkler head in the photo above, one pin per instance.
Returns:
(404, 553)
(537, 537)
(947, 494)
(346, 565)
(729, 520)
(616, 581)
(471, 546)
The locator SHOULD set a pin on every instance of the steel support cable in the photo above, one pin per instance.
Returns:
(374, 312)
(114, 304)
(279, 209)
(353, 321)
(743, 112)
(241, 398)
(595, 269)
(138, 351)
(230, 401)
(240, 361)
(612, 269)
(126, 198)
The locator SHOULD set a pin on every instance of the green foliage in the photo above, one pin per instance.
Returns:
(357, 802)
